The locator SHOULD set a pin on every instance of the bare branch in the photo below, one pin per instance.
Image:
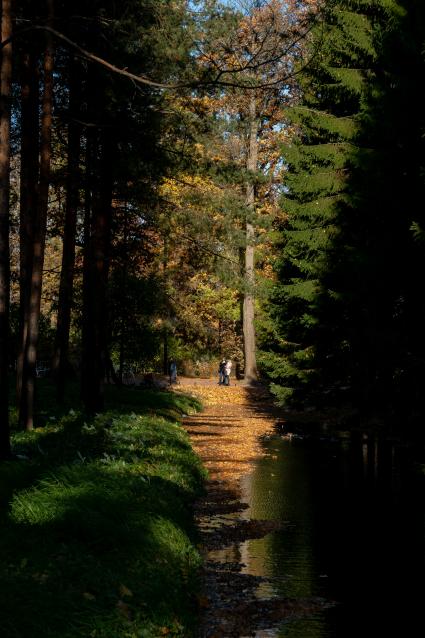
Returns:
(140, 79)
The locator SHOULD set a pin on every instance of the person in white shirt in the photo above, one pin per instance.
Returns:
(227, 371)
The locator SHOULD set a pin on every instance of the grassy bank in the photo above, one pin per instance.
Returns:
(97, 535)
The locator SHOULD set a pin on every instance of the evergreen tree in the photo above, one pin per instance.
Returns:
(374, 258)
(344, 303)
(316, 164)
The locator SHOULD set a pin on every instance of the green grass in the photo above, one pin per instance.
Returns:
(97, 531)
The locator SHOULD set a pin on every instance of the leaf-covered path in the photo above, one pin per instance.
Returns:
(227, 435)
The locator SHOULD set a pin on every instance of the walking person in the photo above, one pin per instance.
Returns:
(221, 372)
(227, 371)
(173, 372)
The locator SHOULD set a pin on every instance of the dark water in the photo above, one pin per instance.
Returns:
(356, 534)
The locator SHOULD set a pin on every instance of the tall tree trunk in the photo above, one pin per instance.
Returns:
(165, 356)
(95, 352)
(28, 196)
(61, 356)
(251, 373)
(28, 389)
(124, 285)
(87, 336)
(5, 93)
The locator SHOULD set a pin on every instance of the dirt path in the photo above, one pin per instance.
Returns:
(227, 435)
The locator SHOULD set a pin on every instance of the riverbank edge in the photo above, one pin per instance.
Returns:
(98, 534)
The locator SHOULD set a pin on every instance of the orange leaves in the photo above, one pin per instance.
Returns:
(214, 394)
(227, 435)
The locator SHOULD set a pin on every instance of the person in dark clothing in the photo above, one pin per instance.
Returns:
(173, 372)
(221, 372)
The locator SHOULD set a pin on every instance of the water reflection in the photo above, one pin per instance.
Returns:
(355, 510)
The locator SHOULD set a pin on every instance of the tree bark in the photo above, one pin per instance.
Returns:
(87, 336)
(165, 355)
(28, 196)
(5, 95)
(95, 352)
(61, 363)
(251, 373)
(30, 357)
(123, 318)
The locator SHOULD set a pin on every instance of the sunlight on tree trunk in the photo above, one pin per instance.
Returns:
(249, 298)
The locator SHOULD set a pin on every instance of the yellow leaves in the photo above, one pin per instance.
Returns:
(88, 596)
(199, 148)
(215, 395)
(125, 591)
(179, 188)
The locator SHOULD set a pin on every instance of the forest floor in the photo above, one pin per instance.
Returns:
(227, 435)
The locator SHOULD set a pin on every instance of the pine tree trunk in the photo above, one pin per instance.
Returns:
(102, 253)
(61, 357)
(87, 336)
(28, 196)
(95, 351)
(27, 396)
(124, 284)
(5, 94)
(165, 356)
(251, 373)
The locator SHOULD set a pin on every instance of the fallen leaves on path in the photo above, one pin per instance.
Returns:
(214, 394)
(227, 434)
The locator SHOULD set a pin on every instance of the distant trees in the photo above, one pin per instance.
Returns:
(254, 54)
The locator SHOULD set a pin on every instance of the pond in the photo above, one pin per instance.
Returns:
(354, 513)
